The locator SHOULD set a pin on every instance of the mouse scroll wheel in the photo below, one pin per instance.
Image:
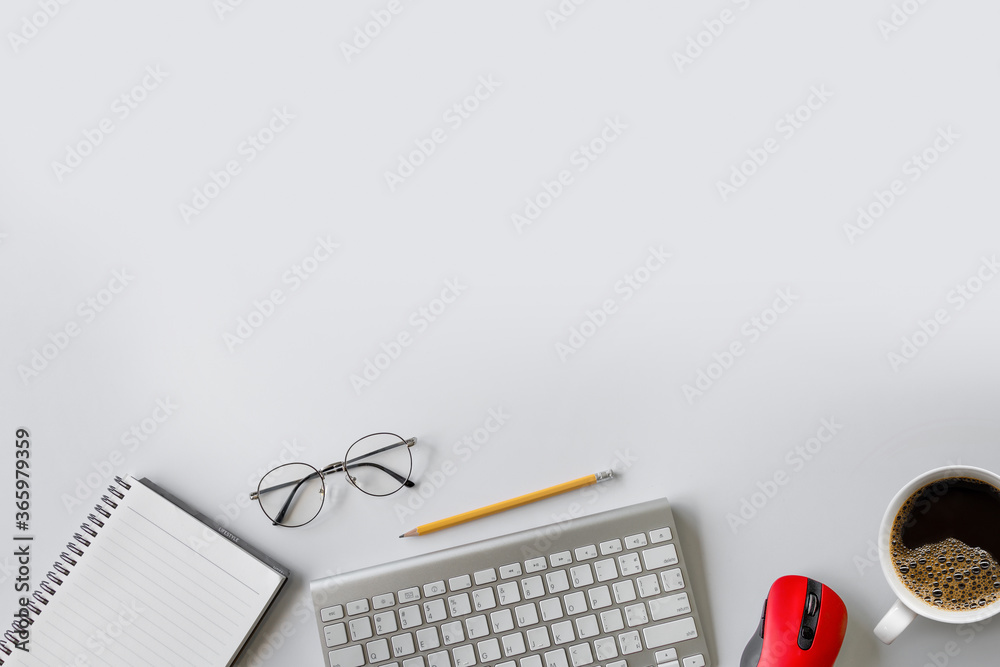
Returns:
(812, 604)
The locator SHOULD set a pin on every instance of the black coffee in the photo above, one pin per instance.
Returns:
(946, 544)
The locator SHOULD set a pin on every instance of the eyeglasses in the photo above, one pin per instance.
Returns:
(292, 494)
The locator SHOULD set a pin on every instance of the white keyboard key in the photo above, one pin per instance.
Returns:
(586, 553)
(414, 662)
(666, 654)
(489, 650)
(669, 605)
(534, 565)
(502, 621)
(672, 663)
(385, 623)
(439, 659)
(512, 570)
(636, 615)
(561, 558)
(352, 656)
(452, 633)
(606, 648)
(403, 645)
(531, 661)
(551, 609)
(581, 575)
(460, 582)
(612, 621)
(635, 541)
(427, 639)
(459, 605)
(513, 644)
(378, 651)
(485, 576)
(658, 557)
(526, 614)
(408, 595)
(434, 611)
(464, 656)
(580, 655)
(629, 642)
(555, 658)
(660, 535)
(332, 613)
(600, 597)
(558, 581)
(624, 591)
(697, 660)
(335, 634)
(357, 607)
(361, 628)
(508, 663)
(538, 638)
(648, 585)
(617, 663)
(672, 580)
(409, 617)
(434, 588)
(384, 600)
(484, 599)
(606, 569)
(669, 633)
(629, 564)
(533, 587)
(562, 632)
(576, 603)
(611, 547)
(477, 626)
(509, 593)
(586, 627)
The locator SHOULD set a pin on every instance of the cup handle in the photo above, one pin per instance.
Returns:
(897, 619)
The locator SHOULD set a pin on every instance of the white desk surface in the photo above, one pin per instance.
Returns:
(286, 390)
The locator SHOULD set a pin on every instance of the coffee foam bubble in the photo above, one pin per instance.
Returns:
(949, 574)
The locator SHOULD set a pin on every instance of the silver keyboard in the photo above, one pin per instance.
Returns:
(606, 590)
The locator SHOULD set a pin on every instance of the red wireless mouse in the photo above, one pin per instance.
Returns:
(802, 625)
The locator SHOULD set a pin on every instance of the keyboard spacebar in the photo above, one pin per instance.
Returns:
(669, 633)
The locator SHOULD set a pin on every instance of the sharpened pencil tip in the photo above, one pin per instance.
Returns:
(402, 535)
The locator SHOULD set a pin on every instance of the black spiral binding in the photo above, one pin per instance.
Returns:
(60, 568)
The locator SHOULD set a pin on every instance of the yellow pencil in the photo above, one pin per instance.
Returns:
(508, 504)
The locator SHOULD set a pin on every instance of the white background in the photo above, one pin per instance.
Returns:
(286, 392)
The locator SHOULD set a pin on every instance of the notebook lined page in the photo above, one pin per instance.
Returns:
(155, 587)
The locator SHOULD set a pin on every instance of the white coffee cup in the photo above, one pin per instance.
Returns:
(908, 605)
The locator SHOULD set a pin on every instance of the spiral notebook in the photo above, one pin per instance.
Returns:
(147, 581)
